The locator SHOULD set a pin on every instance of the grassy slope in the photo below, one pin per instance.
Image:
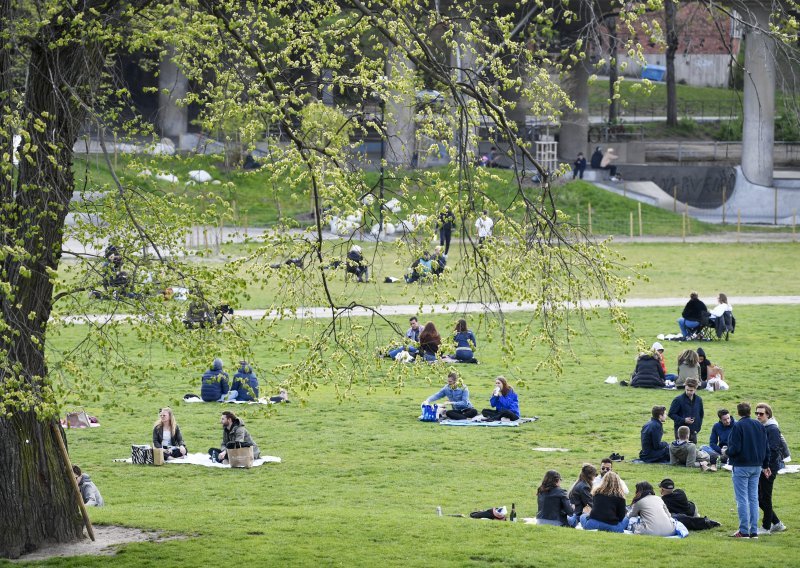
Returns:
(361, 479)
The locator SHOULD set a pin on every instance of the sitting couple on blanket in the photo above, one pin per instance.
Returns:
(504, 401)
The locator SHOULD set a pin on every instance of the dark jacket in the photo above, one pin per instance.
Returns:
(608, 509)
(580, 496)
(214, 384)
(682, 408)
(447, 220)
(554, 505)
(597, 158)
(693, 310)
(747, 444)
(245, 381)
(774, 445)
(238, 433)
(158, 437)
(653, 449)
(648, 374)
(678, 503)
(719, 435)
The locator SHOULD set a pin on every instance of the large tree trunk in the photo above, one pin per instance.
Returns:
(37, 496)
(671, 30)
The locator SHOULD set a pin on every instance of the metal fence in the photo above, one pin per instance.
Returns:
(689, 151)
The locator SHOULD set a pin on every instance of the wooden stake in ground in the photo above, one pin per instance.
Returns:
(71, 475)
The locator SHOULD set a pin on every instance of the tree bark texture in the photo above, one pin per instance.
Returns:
(38, 502)
(670, 25)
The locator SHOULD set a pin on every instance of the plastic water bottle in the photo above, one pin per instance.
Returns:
(439, 510)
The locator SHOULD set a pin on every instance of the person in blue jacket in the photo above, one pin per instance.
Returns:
(748, 453)
(654, 449)
(719, 436)
(770, 523)
(457, 395)
(504, 400)
(214, 386)
(245, 383)
(687, 410)
(465, 341)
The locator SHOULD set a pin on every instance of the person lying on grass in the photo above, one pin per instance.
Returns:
(457, 395)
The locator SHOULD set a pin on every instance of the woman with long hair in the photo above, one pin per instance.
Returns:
(554, 506)
(505, 402)
(429, 342)
(654, 517)
(465, 341)
(580, 494)
(608, 506)
(167, 435)
(688, 366)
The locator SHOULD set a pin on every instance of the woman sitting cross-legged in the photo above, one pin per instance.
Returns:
(167, 435)
(554, 506)
(654, 517)
(457, 395)
(608, 506)
(429, 342)
(505, 402)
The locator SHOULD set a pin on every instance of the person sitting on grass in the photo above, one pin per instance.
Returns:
(704, 364)
(554, 506)
(682, 509)
(607, 466)
(649, 373)
(167, 435)
(580, 494)
(429, 342)
(245, 383)
(465, 341)
(89, 492)
(505, 402)
(214, 386)
(688, 367)
(411, 338)
(718, 440)
(438, 261)
(653, 516)
(356, 265)
(608, 506)
(685, 453)
(234, 435)
(457, 395)
(282, 396)
(654, 450)
(421, 269)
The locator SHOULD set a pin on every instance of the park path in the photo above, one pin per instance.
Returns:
(451, 308)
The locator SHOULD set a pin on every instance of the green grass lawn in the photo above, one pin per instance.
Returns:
(361, 478)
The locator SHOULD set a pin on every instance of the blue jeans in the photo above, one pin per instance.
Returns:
(595, 525)
(686, 325)
(411, 349)
(745, 489)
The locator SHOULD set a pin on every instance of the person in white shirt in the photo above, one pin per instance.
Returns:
(484, 226)
(717, 317)
(607, 465)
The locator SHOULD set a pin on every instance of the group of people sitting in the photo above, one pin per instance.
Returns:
(597, 502)
(695, 315)
(427, 344)
(215, 385)
(427, 265)
(651, 370)
(504, 401)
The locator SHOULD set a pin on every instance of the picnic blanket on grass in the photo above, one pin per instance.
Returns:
(498, 423)
(793, 468)
(261, 400)
(204, 460)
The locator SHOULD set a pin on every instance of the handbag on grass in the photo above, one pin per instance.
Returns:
(240, 457)
(141, 454)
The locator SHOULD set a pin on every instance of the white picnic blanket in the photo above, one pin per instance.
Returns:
(786, 468)
(261, 400)
(204, 460)
(498, 423)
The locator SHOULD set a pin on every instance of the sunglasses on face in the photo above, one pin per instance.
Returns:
(761, 413)
(606, 469)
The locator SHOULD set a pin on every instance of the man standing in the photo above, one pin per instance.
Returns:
(447, 221)
(654, 450)
(234, 434)
(484, 226)
(749, 455)
(719, 436)
(687, 410)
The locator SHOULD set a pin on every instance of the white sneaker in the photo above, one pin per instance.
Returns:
(762, 532)
(778, 527)
(613, 178)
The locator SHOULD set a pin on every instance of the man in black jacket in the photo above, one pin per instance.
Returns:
(692, 314)
(682, 509)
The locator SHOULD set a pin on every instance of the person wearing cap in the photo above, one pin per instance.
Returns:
(648, 373)
(692, 314)
(685, 453)
(719, 436)
(654, 449)
(687, 410)
(607, 466)
(682, 509)
(654, 518)
(748, 453)
(214, 383)
(356, 265)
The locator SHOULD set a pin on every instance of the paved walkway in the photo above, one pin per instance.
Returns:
(453, 308)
